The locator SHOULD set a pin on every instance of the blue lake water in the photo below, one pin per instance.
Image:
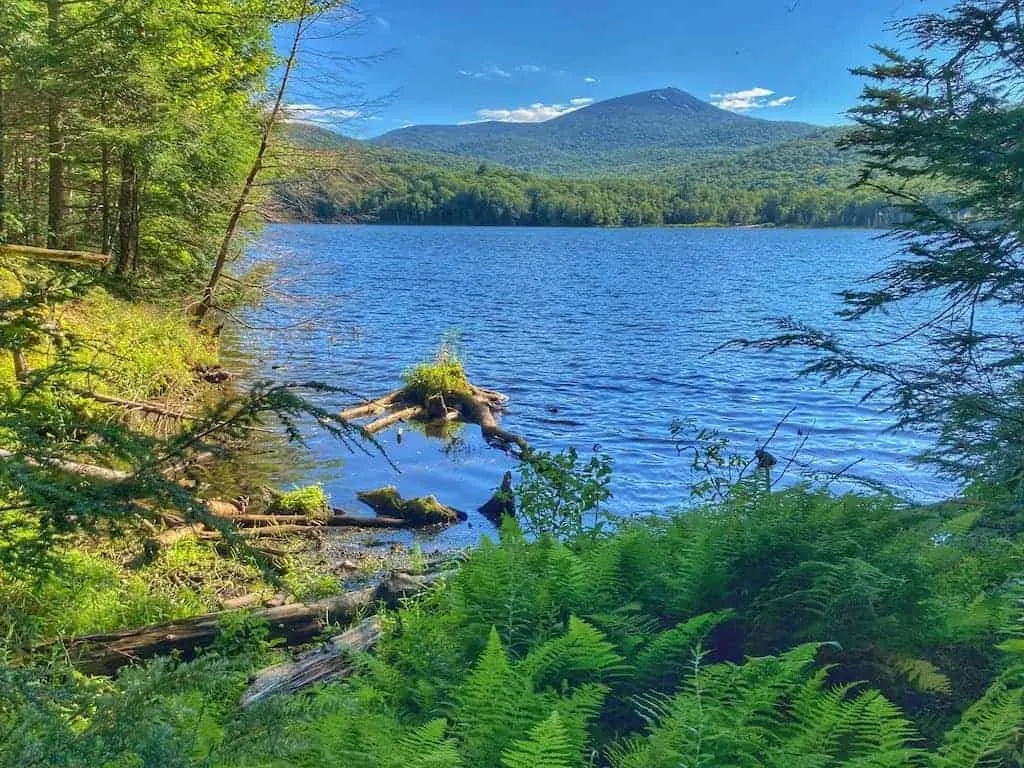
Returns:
(614, 328)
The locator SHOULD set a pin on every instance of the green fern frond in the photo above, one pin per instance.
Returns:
(547, 746)
(983, 734)
(493, 705)
(662, 662)
(426, 747)
(582, 654)
(923, 675)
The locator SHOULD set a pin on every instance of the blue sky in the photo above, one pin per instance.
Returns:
(452, 61)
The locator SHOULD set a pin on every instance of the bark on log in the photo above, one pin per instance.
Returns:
(412, 412)
(331, 661)
(103, 474)
(75, 258)
(479, 408)
(298, 623)
(373, 407)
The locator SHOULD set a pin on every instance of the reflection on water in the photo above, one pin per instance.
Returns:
(601, 338)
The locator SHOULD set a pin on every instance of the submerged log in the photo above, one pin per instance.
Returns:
(297, 623)
(331, 661)
(424, 510)
(502, 503)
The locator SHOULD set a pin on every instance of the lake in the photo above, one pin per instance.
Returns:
(601, 338)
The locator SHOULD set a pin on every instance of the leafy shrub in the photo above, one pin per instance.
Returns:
(558, 493)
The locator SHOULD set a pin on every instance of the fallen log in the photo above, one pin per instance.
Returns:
(379, 425)
(424, 510)
(372, 407)
(75, 258)
(154, 409)
(331, 661)
(296, 623)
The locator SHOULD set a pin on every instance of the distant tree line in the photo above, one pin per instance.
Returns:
(414, 193)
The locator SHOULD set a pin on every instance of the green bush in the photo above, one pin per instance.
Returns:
(444, 375)
(310, 501)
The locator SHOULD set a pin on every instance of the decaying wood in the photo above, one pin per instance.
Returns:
(331, 661)
(372, 407)
(502, 503)
(379, 425)
(297, 623)
(421, 511)
(75, 258)
(479, 406)
(90, 471)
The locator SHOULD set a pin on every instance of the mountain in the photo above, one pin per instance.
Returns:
(622, 136)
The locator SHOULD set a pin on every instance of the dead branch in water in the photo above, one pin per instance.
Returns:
(476, 406)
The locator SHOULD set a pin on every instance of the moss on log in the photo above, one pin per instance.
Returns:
(424, 511)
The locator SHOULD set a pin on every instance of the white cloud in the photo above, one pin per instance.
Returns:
(752, 98)
(383, 23)
(535, 113)
(590, 80)
(314, 113)
(530, 69)
(485, 72)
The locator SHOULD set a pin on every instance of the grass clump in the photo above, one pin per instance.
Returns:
(89, 591)
(144, 350)
(310, 500)
(444, 375)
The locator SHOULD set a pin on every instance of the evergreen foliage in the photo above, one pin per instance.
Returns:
(946, 112)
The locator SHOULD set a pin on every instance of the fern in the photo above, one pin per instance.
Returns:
(547, 746)
(492, 706)
(983, 734)
(923, 675)
(582, 654)
(768, 712)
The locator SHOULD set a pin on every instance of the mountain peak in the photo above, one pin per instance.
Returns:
(660, 126)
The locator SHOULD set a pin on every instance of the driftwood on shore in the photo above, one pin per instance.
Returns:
(330, 661)
(474, 406)
(297, 623)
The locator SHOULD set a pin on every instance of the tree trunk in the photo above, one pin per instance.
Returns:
(3, 164)
(105, 244)
(209, 292)
(55, 140)
(127, 224)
